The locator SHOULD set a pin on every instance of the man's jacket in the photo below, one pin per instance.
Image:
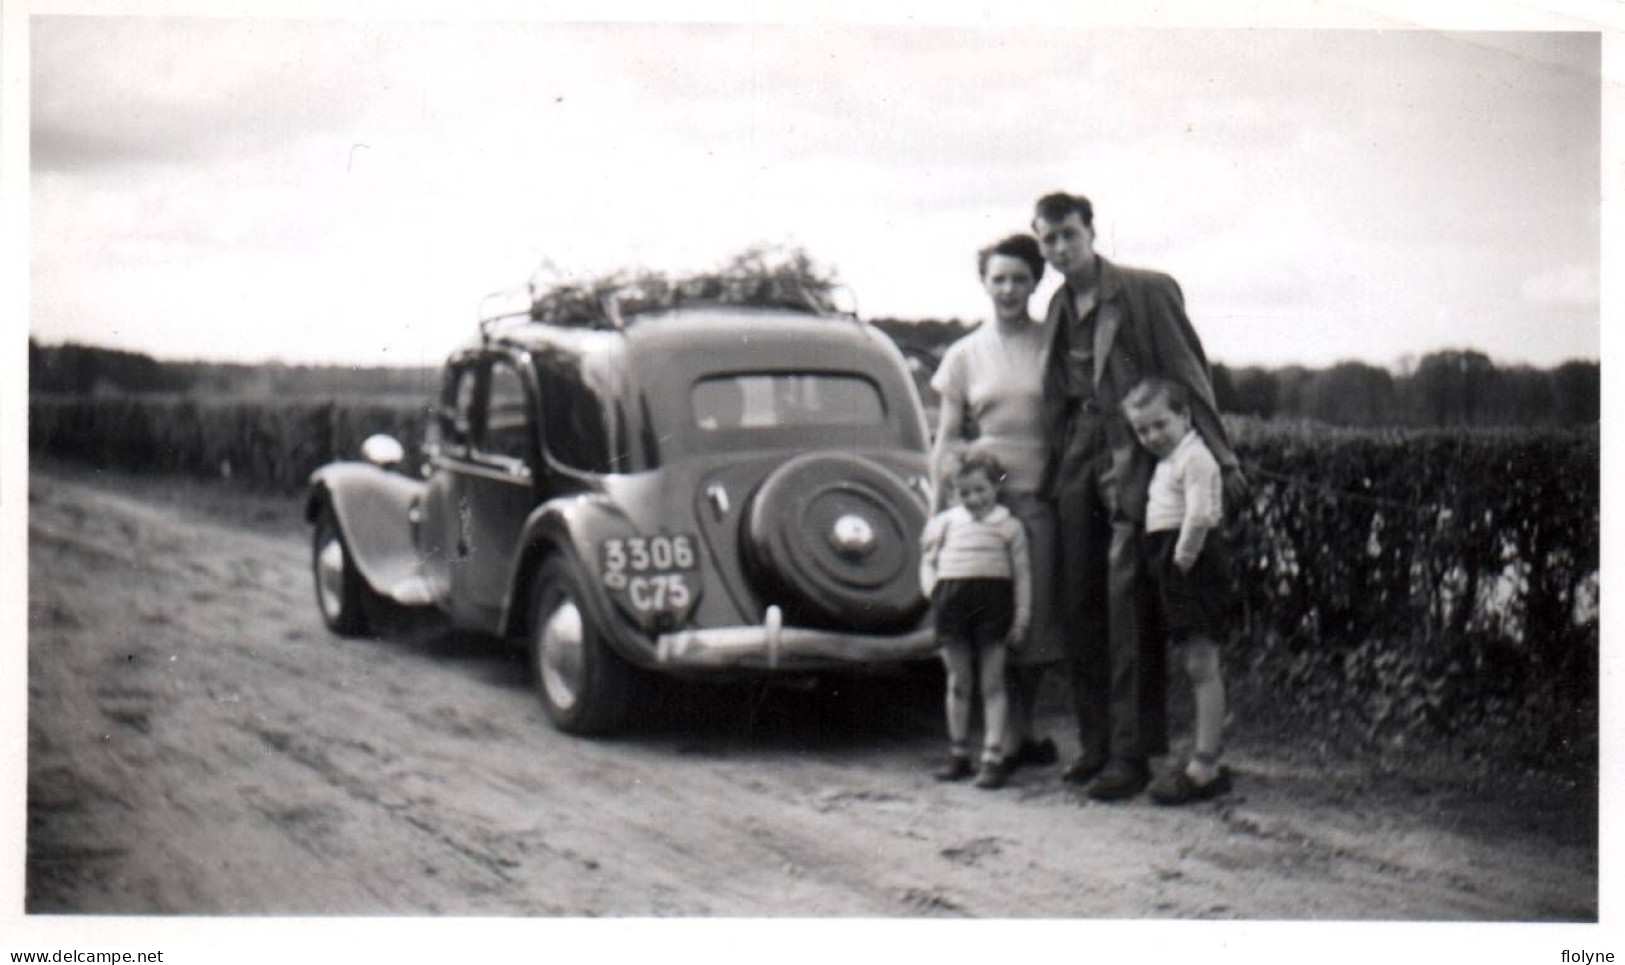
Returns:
(1141, 330)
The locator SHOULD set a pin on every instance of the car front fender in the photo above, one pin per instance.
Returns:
(373, 508)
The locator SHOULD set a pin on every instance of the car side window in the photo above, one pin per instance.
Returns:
(507, 423)
(576, 417)
(457, 409)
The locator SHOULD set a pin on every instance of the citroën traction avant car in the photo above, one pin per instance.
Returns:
(710, 477)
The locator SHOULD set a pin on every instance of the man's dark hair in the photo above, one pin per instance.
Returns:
(1055, 207)
(1024, 247)
(1152, 389)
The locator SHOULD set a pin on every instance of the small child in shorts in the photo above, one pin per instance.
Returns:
(1184, 505)
(976, 555)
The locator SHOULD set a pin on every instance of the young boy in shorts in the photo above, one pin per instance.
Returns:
(1184, 505)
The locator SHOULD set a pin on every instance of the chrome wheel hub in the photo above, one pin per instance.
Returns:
(559, 655)
(330, 577)
(852, 536)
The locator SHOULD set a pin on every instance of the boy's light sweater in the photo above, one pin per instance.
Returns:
(1186, 494)
(993, 547)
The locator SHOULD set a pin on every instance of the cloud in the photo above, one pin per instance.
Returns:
(113, 92)
(1566, 286)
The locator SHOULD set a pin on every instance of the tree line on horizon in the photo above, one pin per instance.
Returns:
(76, 369)
(1453, 387)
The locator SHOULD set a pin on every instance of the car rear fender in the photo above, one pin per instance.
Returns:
(373, 509)
(574, 525)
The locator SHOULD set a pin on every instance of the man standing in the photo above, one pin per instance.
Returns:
(1112, 327)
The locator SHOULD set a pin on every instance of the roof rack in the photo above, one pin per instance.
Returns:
(509, 305)
(613, 303)
(610, 303)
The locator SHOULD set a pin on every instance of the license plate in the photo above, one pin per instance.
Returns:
(652, 574)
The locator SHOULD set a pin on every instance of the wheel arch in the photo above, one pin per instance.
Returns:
(570, 528)
(541, 542)
(372, 508)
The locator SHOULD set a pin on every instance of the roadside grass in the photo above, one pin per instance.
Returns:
(234, 502)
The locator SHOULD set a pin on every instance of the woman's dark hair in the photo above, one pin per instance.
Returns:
(1024, 247)
(1055, 207)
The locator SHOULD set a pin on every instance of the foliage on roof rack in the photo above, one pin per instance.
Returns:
(760, 276)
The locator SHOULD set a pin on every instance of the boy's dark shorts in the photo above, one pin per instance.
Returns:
(1194, 603)
(974, 611)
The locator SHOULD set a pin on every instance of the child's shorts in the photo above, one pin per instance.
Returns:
(975, 611)
(1194, 603)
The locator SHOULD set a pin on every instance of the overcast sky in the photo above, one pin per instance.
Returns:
(347, 190)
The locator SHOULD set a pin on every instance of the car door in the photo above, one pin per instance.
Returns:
(498, 483)
(442, 518)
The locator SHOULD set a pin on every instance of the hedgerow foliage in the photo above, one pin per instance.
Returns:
(276, 444)
(1404, 584)
(1393, 585)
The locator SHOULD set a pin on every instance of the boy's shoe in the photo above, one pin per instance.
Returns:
(993, 775)
(1034, 754)
(1083, 770)
(1122, 778)
(1176, 787)
(957, 769)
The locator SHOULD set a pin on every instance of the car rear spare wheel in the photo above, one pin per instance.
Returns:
(836, 536)
(585, 687)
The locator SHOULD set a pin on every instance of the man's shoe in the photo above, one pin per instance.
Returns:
(1123, 778)
(1083, 770)
(1176, 787)
(957, 769)
(1034, 754)
(993, 775)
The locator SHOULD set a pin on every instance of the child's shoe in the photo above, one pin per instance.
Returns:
(993, 775)
(1178, 787)
(957, 769)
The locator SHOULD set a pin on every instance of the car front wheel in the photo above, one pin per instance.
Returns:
(340, 588)
(584, 686)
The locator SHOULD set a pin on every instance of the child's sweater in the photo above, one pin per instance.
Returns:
(1186, 494)
(993, 547)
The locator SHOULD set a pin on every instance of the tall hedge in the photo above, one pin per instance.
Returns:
(1414, 583)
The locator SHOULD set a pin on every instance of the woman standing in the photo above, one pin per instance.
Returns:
(991, 383)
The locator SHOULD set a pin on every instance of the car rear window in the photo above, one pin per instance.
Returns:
(766, 400)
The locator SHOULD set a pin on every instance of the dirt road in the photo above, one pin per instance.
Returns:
(199, 744)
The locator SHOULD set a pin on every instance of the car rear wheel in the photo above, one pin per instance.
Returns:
(585, 687)
(341, 590)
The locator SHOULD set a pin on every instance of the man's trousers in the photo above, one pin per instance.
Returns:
(1116, 659)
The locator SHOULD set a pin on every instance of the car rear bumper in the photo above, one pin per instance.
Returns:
(774, 645)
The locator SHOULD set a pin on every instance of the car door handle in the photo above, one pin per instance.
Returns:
(719, 499)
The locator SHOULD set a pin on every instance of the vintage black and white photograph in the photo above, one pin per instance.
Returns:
(811, 469)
